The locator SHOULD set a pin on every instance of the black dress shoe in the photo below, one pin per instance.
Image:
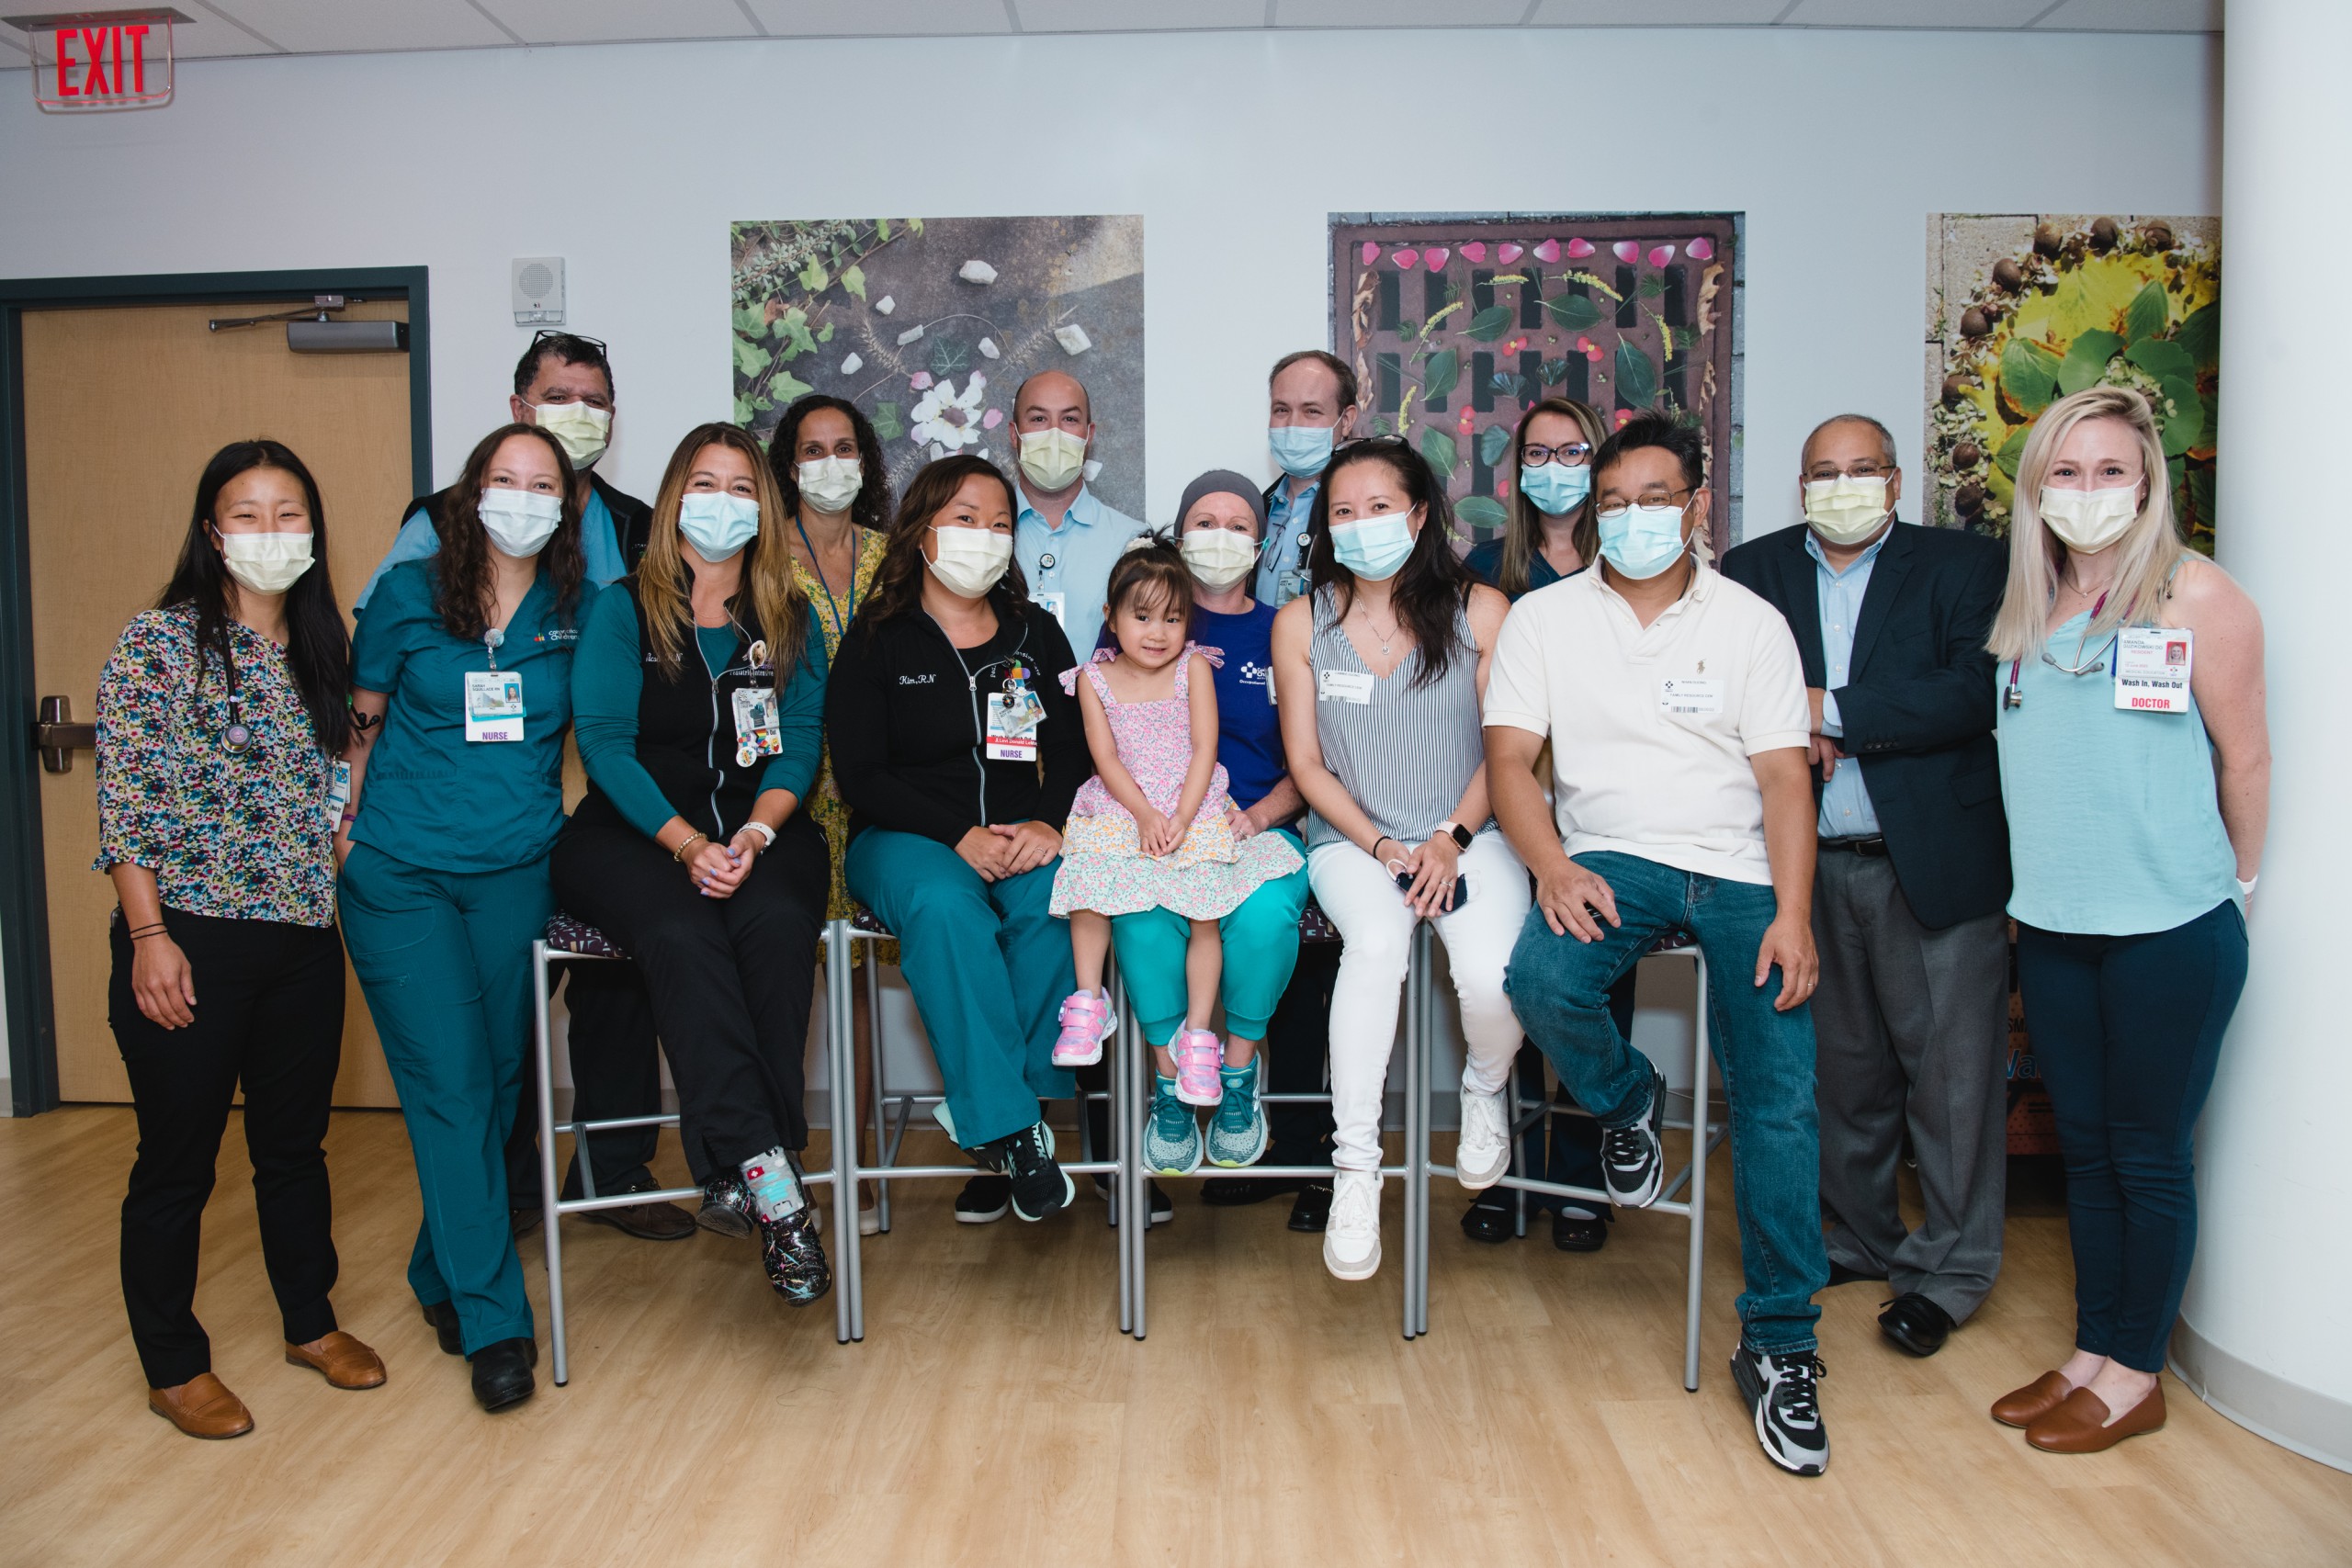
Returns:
(1916, 1323)
(1571, 1233)
(647, 1222)
(523, 1221)
(1232, 1191)
(1841, 1275)
(442, 1316)
(502, 1372)
(1491, 1222)
(1311, 1212)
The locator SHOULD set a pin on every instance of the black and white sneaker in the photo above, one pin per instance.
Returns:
(1783, 1394)
(1026, 1159)
(984, 1201)
(1632, 1162)
(726, 1206)
(794, 1258)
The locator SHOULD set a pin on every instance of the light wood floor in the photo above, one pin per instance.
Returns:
(995, 1416)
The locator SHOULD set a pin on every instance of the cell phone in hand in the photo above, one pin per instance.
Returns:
(1461, 891)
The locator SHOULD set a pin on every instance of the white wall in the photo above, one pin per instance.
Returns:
(630, 161)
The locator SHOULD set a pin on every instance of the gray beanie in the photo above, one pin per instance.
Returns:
(1222, 481)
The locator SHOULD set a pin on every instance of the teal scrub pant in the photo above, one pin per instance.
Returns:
(989, 968)
(1260, 944)
(445, 960)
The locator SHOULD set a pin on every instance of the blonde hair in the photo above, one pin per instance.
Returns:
(2148, 553)
(779, 610)
(1523, 526)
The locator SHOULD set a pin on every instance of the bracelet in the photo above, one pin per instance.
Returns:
(679, 854)
(2246, 884)
(767, 833)
(144, 932)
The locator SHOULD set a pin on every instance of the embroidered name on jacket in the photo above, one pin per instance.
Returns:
(924, 680)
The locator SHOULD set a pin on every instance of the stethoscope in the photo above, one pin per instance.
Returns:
(237, 736)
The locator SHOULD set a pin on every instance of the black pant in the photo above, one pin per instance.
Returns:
(1298, 1038)
(732, 979)
(615, 1071)
(268, 1013)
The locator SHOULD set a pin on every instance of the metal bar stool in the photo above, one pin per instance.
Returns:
(1704, 1137)
(567, 941)
(891, 1130)
(1314, 927)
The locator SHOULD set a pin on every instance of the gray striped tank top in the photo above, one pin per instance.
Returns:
(1406, 756)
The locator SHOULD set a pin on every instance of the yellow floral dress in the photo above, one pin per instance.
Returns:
(834, 610)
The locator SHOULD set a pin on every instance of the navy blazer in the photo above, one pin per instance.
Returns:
(1919, 705)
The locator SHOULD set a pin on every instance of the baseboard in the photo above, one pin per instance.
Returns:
(2312, 1425)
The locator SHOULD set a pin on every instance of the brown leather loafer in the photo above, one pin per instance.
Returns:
(343, 1361)
(202, 1407)
(2024, 1407)
(647, 1222)
(2080, 1426)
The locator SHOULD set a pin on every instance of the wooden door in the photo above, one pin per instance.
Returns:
(123, 407)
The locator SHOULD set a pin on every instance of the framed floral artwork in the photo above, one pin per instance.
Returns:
(1457, 324)
(931, 325)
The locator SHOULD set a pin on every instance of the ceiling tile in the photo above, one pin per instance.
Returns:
(339, 27)
(881, 18)
(608, 21)
(1657, 13)
(2137, 16)
(1126, 16)
(1398, 13)
(1963, 14)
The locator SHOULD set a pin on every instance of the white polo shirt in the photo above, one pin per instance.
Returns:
(1652, 728)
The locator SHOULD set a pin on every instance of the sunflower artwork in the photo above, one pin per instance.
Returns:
(2024, 310)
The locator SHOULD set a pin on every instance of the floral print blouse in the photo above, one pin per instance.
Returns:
(237, 835)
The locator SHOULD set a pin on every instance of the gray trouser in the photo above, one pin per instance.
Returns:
(1913, 1029)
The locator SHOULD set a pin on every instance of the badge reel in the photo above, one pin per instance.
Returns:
(759, 731)
(1013, 715)
(494, 696)
(1291, 582)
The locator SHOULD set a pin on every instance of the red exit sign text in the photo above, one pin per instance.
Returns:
(100, 59)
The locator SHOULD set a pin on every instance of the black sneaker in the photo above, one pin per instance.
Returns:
(794, 1258)
(1310, 1213)
(1783, 1394)
(1233, 1191)
(1163, 1209)
(1492, 1218)
(1633, 1161)
(1026, 1159)
(726, 1206)
(984, 1199)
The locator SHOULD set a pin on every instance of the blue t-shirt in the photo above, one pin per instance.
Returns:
(1249, 731)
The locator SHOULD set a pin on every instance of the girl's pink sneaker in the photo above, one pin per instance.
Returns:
(1087, 1021)
(1198, 1055)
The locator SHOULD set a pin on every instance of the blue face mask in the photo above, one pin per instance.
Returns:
(717, 525)
(1376, 548)
(1643, 540)
(1303, 450)
(1556, 489)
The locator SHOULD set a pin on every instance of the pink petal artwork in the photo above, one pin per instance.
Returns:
(1627, 251)
(1508, 253)
(1579, 249)
(992, 419)
(1371, 251)
(1405, 259)
(1434, 258)
(1548, 251)
(1475, 253)
(918, 380)
(1661, 255)
(1700, 249)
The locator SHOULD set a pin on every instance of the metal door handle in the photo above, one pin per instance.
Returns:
(58, 736)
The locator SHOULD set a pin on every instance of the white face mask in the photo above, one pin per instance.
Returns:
(971, 560)
(1219, 557)
(266, 563)
(2090, 520)
(582, 431)
(519, 522)
(1846, 511)
(1051, 457)
(830, 484)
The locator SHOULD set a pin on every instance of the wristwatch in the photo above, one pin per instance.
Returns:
(1461, 835)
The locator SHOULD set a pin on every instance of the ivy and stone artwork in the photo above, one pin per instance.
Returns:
(929, 326)
(2024, 309)
(1456, 323)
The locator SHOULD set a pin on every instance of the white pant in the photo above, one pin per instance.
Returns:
(1361, 898)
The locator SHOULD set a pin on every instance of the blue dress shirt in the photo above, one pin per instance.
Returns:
(1286, 518)
(1073, 560)
(1846, 809)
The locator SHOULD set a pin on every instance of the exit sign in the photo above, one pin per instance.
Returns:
(85, 60)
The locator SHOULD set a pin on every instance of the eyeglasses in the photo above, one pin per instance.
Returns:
(1613, 510)
(545, 334)
(1575, 455)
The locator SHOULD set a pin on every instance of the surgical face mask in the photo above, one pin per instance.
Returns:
(2090, 520)
(519, 522)
(1556, 489)
(1846, 511)
(582, 430)
(1303, 450)
(1219, 557)
(1643, 541)
(1051, 458)
(830, 484)
(1376, 548)
(971, 560)
(717, 525)
(266, 563)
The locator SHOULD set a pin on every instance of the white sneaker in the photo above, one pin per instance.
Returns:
(1483, 1152)
(1351, 1239)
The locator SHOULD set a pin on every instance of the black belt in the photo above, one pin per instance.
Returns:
(1874, 848)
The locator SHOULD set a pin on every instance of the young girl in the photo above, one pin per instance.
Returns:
(1151, 829)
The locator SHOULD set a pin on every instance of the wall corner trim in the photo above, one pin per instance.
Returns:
(2310, 1423)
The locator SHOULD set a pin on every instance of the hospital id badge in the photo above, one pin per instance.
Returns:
(1012, 720)
(2152, 668)
(1343, 686)
(757, 732)
(494, 704)
(1289, 585)
(1691, 695)
(1052, 604)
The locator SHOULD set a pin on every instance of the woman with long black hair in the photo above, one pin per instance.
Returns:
(221, 717)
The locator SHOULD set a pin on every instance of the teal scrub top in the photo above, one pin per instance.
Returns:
(432, 797)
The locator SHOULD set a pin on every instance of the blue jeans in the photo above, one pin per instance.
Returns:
(1560, 986)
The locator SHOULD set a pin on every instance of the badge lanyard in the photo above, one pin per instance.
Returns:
(2015, 696)
(841, 618)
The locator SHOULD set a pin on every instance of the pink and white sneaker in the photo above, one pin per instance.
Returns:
(1198, 1055)
(1087, 1021)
